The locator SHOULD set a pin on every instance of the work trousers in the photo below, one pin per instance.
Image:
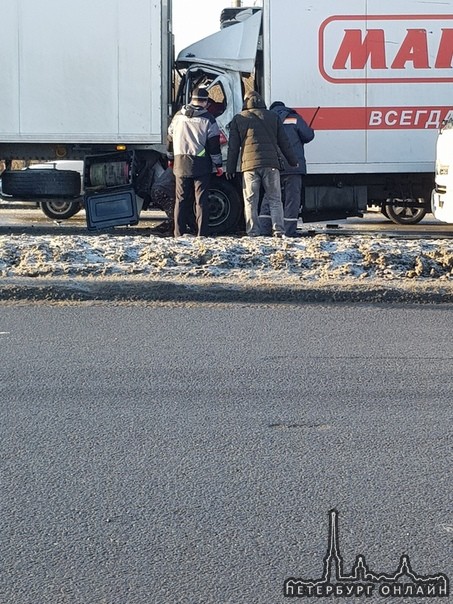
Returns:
(252, 182)
(292, 198)
(190, 190)
(291, 185)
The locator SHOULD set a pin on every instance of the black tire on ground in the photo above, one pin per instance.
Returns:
(60, 209)
(405, 215)
(384, 211)
(225, 207)
(41, 183)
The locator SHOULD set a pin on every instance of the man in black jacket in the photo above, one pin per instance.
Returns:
(299, 133)
(259, 133)
(193, 151)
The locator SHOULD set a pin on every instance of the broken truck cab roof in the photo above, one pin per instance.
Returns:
(233, 48)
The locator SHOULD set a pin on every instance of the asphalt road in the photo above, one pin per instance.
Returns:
(25, 218)
(192, 455)
(20, 218)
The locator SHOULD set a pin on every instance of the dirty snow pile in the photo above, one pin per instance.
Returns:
(310, 259)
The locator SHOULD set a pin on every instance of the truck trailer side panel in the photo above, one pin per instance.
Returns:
(83, 71)
(379, 71)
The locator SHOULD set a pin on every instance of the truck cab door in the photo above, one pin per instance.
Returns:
(225, 93)
(219, 62)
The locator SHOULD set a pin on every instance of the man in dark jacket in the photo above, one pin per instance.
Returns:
(193, 151)
(259, 133)
(299, 133)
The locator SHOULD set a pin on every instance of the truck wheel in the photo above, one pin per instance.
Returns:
(405, 215)
(41, 183)
(60, 209)
(225, 207)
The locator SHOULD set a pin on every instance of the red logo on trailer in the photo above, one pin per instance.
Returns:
(386, 48)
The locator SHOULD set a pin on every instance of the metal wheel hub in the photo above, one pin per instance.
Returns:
(219, 207)
(59, 205)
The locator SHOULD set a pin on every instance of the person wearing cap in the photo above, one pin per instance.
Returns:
(259, 136)
(193, 151)
(299, 134)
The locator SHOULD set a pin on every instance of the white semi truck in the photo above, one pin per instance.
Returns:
(91, 77)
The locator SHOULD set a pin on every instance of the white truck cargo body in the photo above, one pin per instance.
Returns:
(84, 71)
(379, 71)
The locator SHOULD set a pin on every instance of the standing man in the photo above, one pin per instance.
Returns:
(299, 133)
(259, 133)
(193, 151)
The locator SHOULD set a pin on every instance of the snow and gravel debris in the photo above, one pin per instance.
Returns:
(308, 259)
(134, 268)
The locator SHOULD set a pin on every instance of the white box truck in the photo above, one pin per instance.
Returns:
(80, 78)
(374, 78)
(87, 78)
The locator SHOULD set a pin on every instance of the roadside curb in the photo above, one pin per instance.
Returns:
(216, 291)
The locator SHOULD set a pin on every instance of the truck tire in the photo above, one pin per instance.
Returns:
(404, 214)
(225, 207)
(29, 184)
(60, 209)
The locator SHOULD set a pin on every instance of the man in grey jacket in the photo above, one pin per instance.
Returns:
(259, 134)
(193, 151)
(299, 133)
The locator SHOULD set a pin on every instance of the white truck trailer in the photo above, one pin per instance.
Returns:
(85, 79)
(80, 78)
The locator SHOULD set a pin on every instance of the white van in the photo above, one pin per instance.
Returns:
(442, 196)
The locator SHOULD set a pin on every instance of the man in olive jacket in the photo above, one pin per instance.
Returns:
(259, 133)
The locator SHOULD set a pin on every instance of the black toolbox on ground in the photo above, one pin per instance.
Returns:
(110, 198)
(112, 207)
